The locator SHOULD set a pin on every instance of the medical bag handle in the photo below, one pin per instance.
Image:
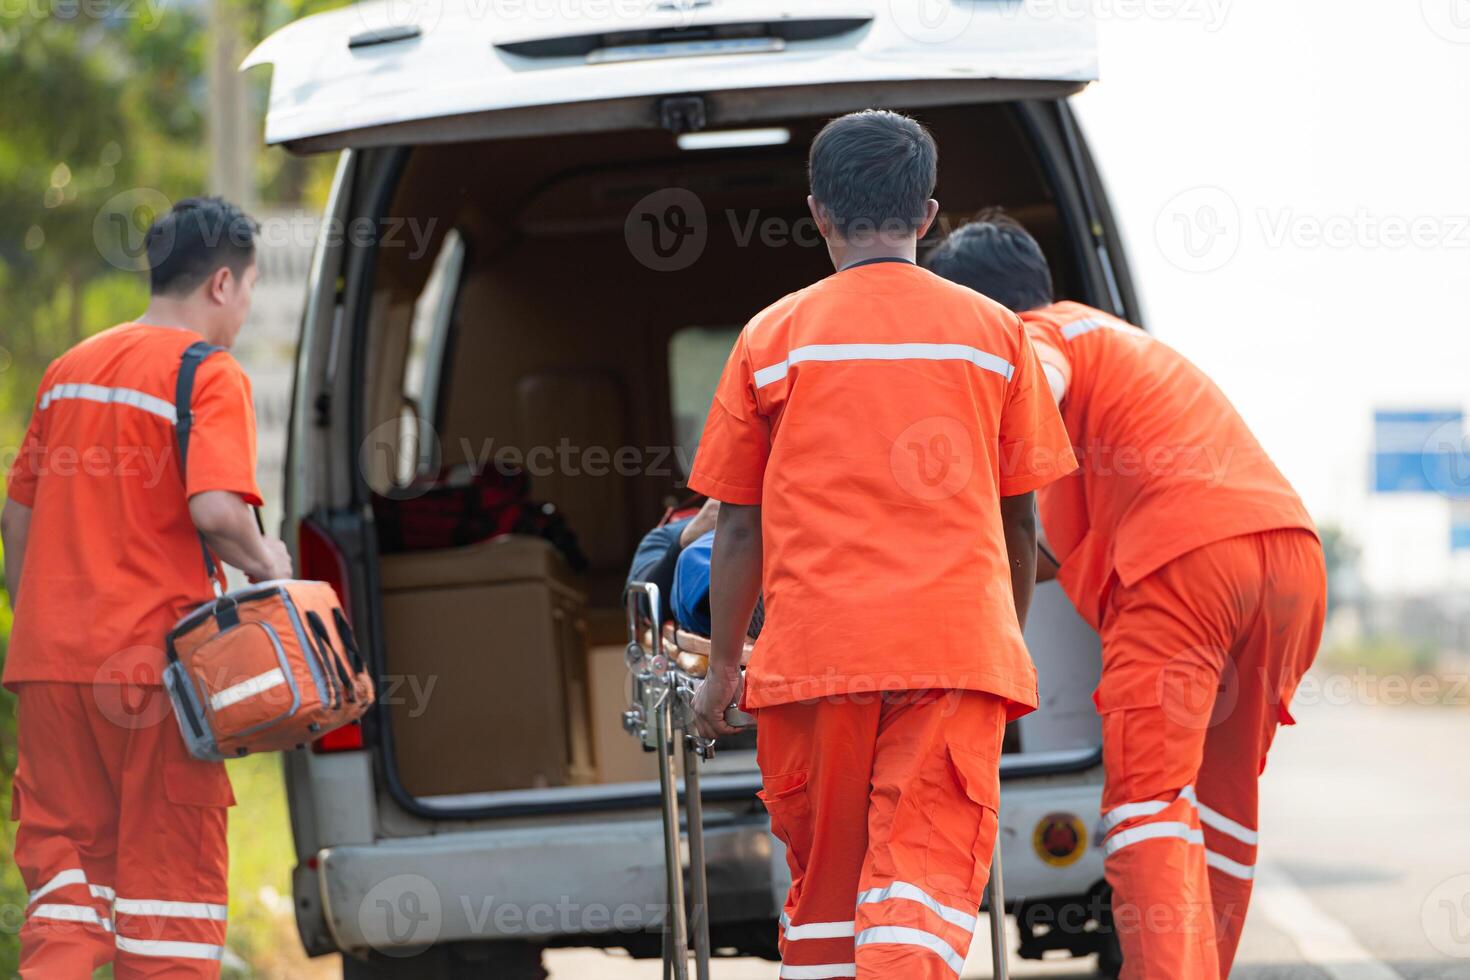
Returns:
(195, 355)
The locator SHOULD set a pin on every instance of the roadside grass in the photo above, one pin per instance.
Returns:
(262, 938)
(1394, 671)
(1382, 655)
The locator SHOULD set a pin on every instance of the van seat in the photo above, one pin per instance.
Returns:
(584, 410)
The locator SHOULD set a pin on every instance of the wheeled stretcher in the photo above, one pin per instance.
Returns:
(667, 665)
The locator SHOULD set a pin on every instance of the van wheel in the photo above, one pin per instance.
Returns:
(473, 961)
(1110, 959)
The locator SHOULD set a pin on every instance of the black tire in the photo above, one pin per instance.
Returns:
(1110, 959)
(478, 961)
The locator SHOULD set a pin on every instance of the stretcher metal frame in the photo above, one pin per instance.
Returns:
(662, 715)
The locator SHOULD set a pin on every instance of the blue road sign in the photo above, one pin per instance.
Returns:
(1423, 451)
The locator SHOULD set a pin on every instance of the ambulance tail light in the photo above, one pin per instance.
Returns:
(348, 738)
(318, 558)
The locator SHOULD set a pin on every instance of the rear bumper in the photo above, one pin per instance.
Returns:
(604, 875)
(537, 882)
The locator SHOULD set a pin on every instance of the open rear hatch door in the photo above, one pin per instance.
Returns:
(395, 72)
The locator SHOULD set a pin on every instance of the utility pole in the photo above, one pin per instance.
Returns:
(231, 170)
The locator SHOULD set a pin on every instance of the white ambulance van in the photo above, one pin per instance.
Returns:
(549, 220)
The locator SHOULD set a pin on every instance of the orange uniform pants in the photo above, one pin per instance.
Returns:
(121, 840)
(887, 807)
(1199, 662)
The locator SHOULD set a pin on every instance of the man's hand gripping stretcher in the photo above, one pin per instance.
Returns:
(677, 559)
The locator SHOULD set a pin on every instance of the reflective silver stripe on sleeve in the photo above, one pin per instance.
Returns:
(109, 396)
(249, 687)
(905, 936)
(885, 352)
(1077, 328)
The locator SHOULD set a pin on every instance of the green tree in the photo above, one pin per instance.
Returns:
(12, 889)
(1341, 554)
(102, 123)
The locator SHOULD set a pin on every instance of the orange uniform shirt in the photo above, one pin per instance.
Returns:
(878, 417)
(113, 559)
(1167, 464)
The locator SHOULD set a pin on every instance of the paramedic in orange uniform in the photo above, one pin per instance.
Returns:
(1191, 554)
(876, 440)
(121, 839)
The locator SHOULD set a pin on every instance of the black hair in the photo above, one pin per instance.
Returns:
(874, 171)
(996, 256)
(196, 237)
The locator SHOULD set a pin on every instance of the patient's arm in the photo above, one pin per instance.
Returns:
(701, 522)
(735, 584)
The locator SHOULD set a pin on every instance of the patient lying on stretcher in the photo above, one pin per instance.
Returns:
(676, 557)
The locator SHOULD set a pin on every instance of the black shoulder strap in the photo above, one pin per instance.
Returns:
(193, 356)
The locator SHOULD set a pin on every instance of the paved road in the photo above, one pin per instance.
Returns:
(1365, 859)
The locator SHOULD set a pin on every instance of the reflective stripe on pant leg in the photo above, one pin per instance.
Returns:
(167, 929)
(823, 949)
(1230, 846)
(172, 871)
(1230, 854)
(903, 914)
(66, 832)
(932, 828)
(170, 949)
(1154, 855)
(817, 799)
(1161, 898)
(1221, 835)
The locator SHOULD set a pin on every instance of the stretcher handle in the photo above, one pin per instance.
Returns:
(996, 894)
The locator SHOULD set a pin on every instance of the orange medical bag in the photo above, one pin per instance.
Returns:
(267, 667)
(262, 668)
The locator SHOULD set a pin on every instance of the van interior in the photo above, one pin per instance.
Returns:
(529, 335)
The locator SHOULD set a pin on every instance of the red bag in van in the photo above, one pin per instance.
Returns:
(266, 667)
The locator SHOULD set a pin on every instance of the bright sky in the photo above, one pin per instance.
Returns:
(1317, 156)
